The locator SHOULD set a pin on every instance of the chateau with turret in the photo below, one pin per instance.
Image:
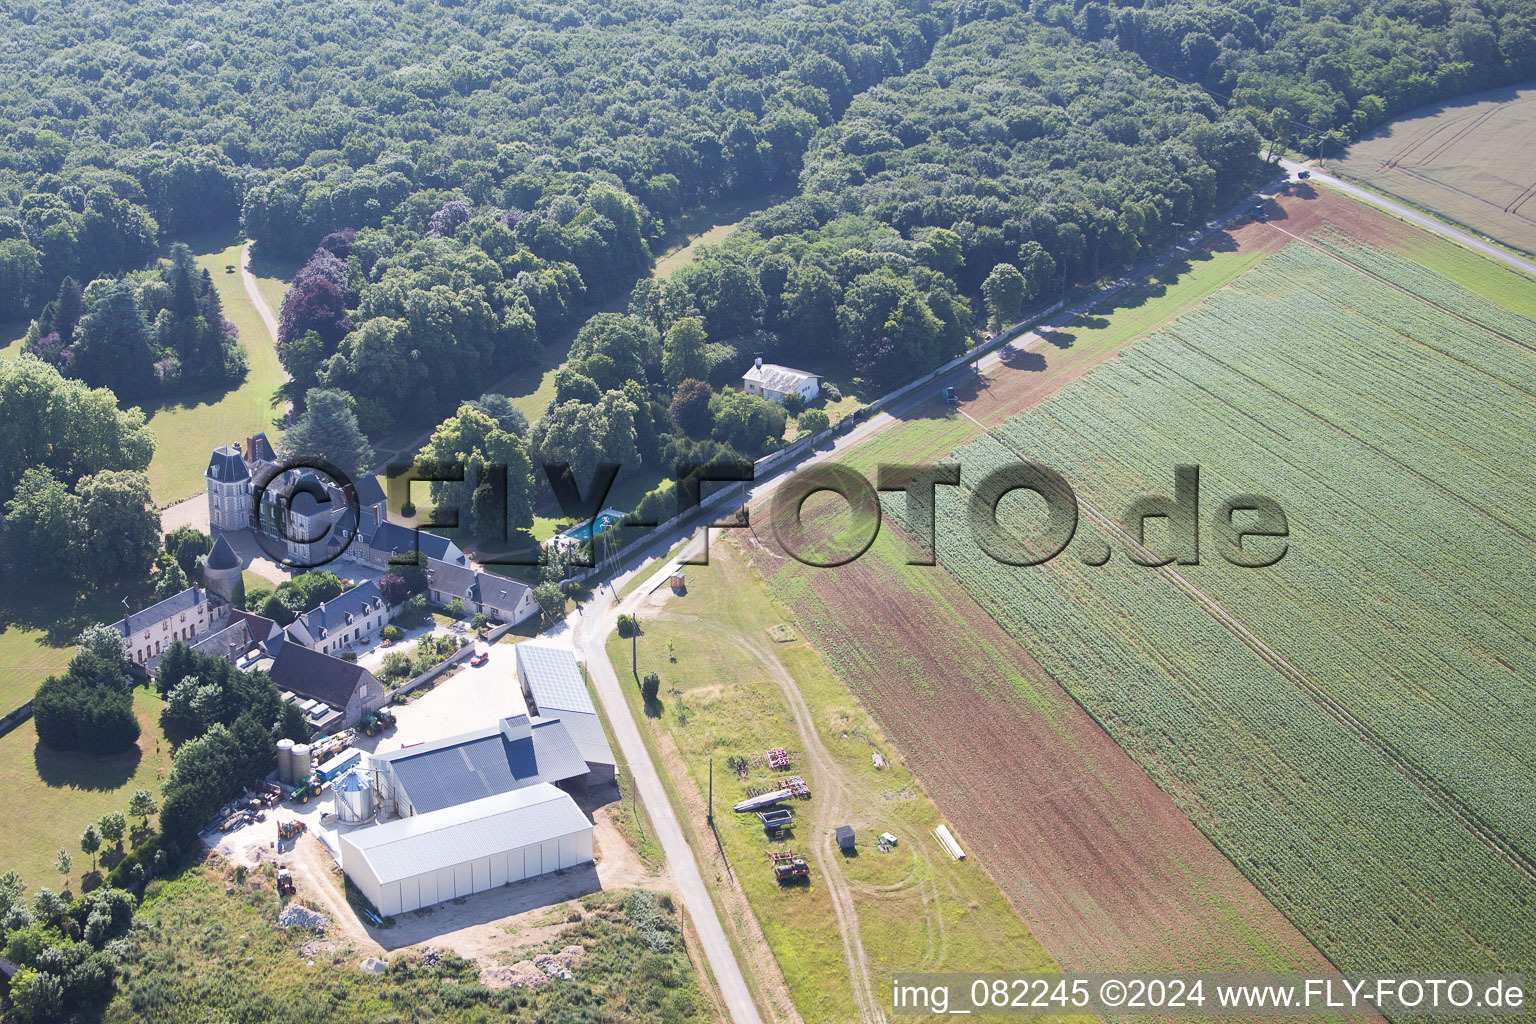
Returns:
(309, 516)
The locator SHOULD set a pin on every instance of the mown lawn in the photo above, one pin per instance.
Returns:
(49, 797)
(191, 425)
(40, 617)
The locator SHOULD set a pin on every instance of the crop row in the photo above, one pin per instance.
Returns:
(1394, 436)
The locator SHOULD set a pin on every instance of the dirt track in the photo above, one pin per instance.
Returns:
(1102, 864)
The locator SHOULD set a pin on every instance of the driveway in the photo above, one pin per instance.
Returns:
(464, 699)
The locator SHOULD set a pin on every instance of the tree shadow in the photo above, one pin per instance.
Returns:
(59, 607)
(654, 707)
(1064, 339)
(1302, 190)
(191, 399)
(74, 770)
(1221, 242)
(265, 263)
(1023, 359)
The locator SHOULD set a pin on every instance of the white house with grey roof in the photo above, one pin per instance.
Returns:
(495, 596)
(150, 631)
(311, 517)
(775, 383)
(342, 621)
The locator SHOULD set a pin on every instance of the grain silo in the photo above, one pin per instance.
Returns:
(303, 763)
(285, 761)
(354, 797)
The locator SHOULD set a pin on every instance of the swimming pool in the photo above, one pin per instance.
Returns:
(582, 531)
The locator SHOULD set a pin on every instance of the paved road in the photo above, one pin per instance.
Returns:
(588, 627)
(1416, 218)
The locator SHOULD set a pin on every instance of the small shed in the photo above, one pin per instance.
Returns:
(844, 834)
(678, 581)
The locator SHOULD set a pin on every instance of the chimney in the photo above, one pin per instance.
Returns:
(759, 362)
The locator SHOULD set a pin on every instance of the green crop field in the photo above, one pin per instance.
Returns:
(1351, 725)
(1468, 160)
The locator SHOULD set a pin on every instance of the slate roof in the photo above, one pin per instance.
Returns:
(484, 763)
(227, 643)
(368, 490)
(434, 840)
(183, 602)
(402, 541)
(258, 447)
(226, 466)
(331, 616)
(223, 555)
(474, 585)
(319, 676)
(262, 628)
(774, 377)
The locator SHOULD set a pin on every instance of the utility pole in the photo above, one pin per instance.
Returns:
(634, 640)
(709, 815)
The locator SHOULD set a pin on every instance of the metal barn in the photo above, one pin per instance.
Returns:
(467, 848)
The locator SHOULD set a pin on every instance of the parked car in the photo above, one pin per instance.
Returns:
(480, 659)
(1303, 174)
(386, 642)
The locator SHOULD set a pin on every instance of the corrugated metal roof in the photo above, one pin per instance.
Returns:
(587, 733)
(467, 831)
(484, 763)
(554, 678)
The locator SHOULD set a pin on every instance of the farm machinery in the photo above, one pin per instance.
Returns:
(285, 884)
(788, 867)
(290, 829)
(776, 820)
(378, 721)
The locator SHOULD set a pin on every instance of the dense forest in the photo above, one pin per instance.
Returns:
(470, 181)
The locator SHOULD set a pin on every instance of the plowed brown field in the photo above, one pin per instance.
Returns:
(1101, 863)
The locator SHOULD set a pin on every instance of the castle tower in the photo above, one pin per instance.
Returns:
(222, 569)
(229, 489)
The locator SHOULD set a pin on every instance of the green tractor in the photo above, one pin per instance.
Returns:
(378, 721)
(307, 792)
